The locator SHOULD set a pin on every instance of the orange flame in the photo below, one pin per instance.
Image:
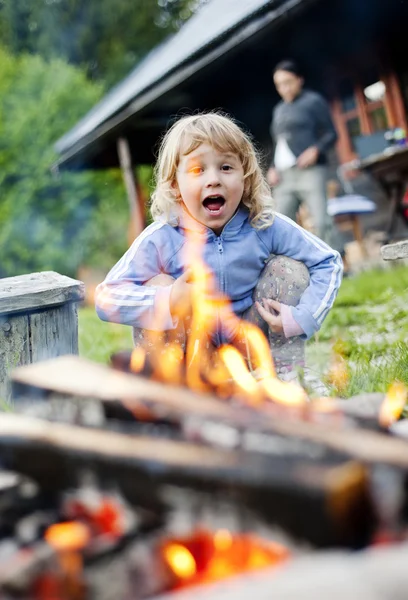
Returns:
(246, 371)
(235, 363)
(338, 374)
(393, 404)
(137, 359)
(205, 557)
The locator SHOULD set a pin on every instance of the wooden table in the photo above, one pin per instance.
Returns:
(390, 168)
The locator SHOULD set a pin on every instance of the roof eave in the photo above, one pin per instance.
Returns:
(170, 81)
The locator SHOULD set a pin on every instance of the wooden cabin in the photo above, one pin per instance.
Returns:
(354, 53)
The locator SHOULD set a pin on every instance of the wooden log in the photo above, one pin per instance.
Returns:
(327, 504)
(38, 320)
(363, 406)
(76, 376)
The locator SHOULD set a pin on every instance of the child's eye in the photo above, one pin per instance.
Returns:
(226, 167)
(195, 170)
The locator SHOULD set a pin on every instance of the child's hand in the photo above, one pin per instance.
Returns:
(180, 295)
(271, 313)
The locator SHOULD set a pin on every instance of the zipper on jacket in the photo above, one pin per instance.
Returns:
(220, 252)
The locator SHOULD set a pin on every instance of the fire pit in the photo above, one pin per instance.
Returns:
(179, 489)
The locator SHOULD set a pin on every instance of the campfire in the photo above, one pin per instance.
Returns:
(175, 469)
(227, 371)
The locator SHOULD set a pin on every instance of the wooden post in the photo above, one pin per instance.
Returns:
(38, 320)
(136, 224)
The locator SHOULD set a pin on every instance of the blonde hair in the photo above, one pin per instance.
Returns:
(223, 134)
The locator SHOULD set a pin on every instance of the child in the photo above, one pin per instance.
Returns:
(277, 275)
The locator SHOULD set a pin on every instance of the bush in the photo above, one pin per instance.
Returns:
(50, 222)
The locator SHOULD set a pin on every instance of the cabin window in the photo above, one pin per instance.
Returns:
(364, 107)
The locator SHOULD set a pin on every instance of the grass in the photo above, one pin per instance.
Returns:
(97, 339)
(367, 327)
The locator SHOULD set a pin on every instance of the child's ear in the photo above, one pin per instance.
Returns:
(176, 190)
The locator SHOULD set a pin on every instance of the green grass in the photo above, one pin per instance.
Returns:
(373, 287)
(368, 326)
(98, 340)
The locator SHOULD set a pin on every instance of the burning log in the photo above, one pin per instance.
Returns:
(74, 376)
(327, 504)
(270, 450)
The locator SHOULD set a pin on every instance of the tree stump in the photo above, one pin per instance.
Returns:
(38, 320)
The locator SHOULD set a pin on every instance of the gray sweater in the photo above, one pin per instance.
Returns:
(303, 123)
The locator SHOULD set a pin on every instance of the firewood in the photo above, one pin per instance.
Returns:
(79, 377)
(325, 503)
(75, 376)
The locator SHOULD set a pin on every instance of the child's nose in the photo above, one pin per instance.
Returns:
(213, 178)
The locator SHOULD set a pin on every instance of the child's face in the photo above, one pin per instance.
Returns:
(211, 185)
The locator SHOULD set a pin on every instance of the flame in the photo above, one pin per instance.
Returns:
(338, 374)
(223, 540)
(137, 360)
(393, 404)
(180, 560)
(243, 369)
(71, 535)
(235, 363)
(258, 351)
(204, 557)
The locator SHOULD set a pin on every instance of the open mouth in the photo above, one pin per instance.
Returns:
(214, 204)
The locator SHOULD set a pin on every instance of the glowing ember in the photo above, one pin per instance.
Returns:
(71, 535)
(393, 404)
(223, 540)
(180, 560)
(204, 557)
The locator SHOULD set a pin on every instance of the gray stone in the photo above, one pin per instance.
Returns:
(363, 405)
(395, 251)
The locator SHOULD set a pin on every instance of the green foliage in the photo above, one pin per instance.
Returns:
(50, 222)
(105, 37)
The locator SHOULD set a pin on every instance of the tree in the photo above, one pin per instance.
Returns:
(105, 37)
(48, 222)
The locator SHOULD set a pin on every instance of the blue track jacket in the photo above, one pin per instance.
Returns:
(236, 257)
